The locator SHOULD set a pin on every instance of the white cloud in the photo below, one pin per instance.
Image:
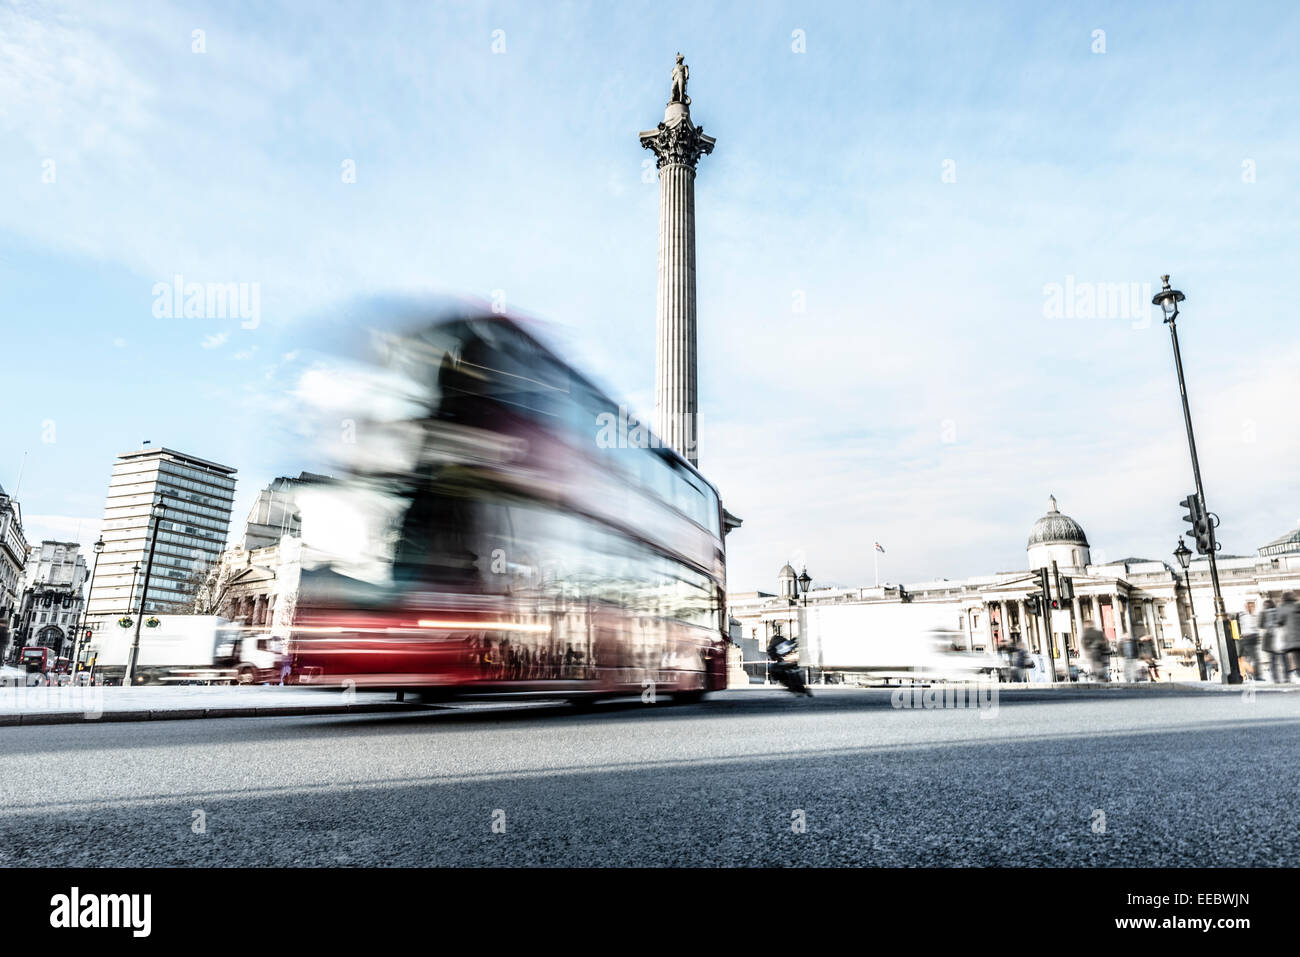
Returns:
(823, 429)
(62, 528)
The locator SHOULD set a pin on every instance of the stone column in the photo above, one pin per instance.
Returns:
(677, 144)
(1031, 632)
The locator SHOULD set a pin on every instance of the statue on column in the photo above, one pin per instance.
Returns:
(681, 73)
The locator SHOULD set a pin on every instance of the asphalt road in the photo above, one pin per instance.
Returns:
(1182, 778)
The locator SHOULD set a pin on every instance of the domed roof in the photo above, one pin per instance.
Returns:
(1287, 542)
(1055, 528)
(786, 572)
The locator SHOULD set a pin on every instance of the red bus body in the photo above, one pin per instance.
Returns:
(38, 658)
(637, 603)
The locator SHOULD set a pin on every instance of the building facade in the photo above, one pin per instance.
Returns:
(13, 563)
(192, 529)
(1143, 599)
(258, 587)
(275, 513)
(255, 583)
(52, 600)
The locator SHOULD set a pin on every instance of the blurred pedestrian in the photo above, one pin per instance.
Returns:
(1128, 648)
(1098, 650)
(1147, 652)
(1269, 637)
(1211, 665)
(1017, 661)
(1288, 626)
(1248, 626)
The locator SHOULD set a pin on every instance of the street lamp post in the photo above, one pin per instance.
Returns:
(130, 602)
(1168, 299)
(98, 547)
(130, 596)
(802, 583)
(129, 675)
(1184, 556)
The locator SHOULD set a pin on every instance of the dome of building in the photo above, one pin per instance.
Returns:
(1286, 543)
(787, 582)
(1056, 529)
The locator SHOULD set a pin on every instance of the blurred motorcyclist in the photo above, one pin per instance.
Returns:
(784, 671)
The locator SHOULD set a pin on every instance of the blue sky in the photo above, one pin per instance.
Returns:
(924, 397)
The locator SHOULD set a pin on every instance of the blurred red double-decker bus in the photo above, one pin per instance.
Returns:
(501, 527)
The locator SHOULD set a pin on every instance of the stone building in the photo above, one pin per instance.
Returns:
(13, 562)
(52, 599)
(1139, 597)
(275, 513)
(255, 583)
(258, 587)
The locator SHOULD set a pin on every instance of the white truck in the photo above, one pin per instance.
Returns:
(188, 648)
(916, 641)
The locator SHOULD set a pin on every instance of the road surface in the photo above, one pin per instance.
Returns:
(1144, 776)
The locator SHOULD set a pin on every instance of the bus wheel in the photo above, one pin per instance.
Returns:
(246, 675)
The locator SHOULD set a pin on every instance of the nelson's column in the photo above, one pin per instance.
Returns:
(678, 144)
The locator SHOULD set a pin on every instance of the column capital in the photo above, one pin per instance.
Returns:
(677, 141)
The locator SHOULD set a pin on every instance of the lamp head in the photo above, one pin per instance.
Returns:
(1168, 299)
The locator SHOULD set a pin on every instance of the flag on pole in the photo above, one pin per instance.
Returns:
(880, 548)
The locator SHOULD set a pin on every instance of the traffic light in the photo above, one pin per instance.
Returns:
(1034, 605)
(1043, 600)
(1200, 523)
